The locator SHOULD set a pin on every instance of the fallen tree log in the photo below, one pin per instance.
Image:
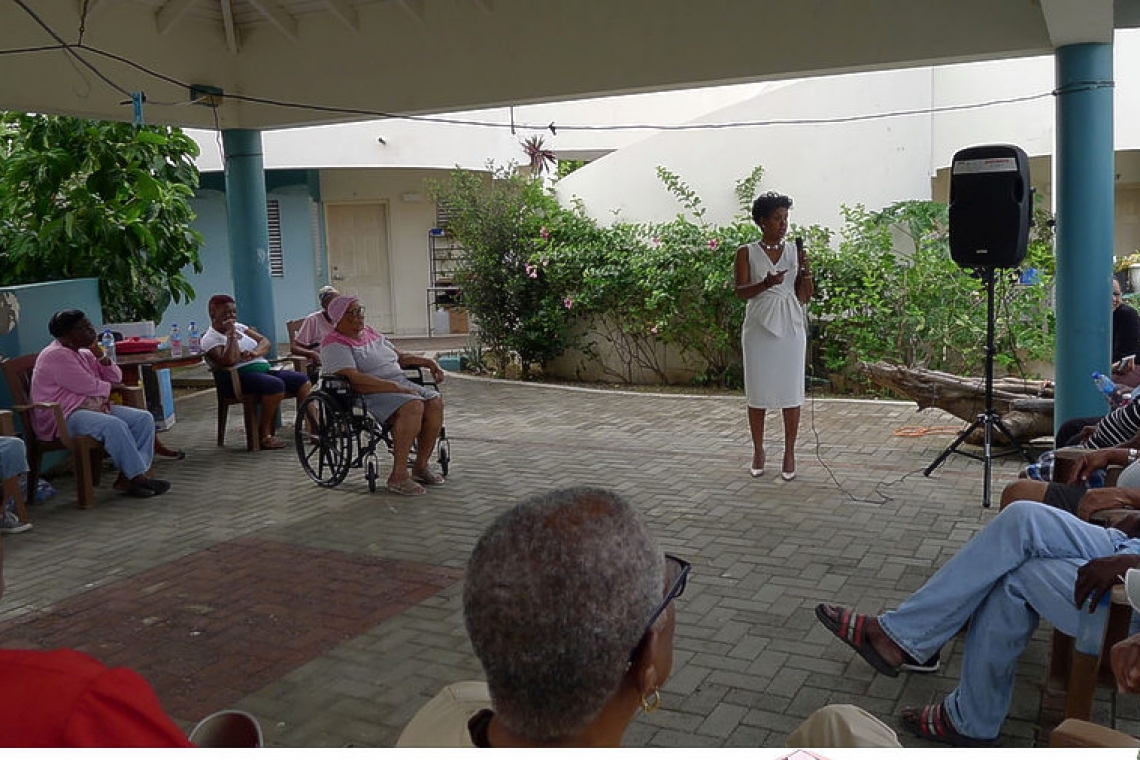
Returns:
(1025, 406)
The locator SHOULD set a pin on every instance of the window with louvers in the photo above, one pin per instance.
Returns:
(276, 257)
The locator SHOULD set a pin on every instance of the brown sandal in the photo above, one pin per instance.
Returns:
(933, 724)
(406, 487)
(273, 442)
(428, 478)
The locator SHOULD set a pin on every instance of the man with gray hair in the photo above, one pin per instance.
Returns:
(313, 330)
(568, 604)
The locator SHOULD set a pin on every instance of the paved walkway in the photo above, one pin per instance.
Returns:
(334, 614)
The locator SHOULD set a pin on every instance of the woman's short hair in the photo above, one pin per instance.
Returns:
(62, 322)
(764, 205)
(221, 299)
(559, 591)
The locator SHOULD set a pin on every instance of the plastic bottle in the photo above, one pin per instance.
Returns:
(175, 342)
(195, 339)
(108, 342)
(1108, 388)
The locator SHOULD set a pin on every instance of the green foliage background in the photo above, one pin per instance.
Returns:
(83, 198)
(886, 287)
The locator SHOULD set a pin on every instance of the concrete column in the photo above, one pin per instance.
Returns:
(248, 225)
(1085, 201)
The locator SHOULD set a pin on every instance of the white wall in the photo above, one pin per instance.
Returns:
(874, 162)
(488, 137)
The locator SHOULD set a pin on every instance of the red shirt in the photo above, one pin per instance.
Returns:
(64, 698)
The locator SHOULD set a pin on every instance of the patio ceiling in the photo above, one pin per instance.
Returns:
(359, 58)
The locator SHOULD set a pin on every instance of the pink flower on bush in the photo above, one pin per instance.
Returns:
(714, 244)
(531, 271)
(653, 330)
(568, 302)
(545, 233)
(654, 242)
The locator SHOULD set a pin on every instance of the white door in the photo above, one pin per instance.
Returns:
(358, 257)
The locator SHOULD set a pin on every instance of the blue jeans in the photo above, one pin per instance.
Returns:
(1019, 568)
(126, 433)
(13, 457)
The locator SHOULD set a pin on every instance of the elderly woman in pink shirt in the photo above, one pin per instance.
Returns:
(67, 372)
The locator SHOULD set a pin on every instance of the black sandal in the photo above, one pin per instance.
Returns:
(933, 724)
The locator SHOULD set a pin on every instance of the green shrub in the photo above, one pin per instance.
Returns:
(891, 292)
(888, 291)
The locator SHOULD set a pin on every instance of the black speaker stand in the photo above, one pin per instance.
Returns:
(989, 419)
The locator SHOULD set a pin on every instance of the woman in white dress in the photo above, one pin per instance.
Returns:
(773, 276)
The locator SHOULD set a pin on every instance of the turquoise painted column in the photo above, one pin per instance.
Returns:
(1084, 204)
(249, 230)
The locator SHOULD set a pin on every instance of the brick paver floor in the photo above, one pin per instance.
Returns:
(346, 604)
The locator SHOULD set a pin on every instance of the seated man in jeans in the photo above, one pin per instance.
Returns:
(68, 372)
(13, 462)
(1031, 562)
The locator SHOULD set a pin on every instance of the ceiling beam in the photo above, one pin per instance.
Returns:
(170, 13)
(1072, 22)
(344, 12)
(414, 8)
(278, 16)
(233, 42)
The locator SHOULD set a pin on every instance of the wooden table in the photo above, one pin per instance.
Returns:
(132, 365)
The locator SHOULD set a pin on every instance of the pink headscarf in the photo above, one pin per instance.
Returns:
(339, 305)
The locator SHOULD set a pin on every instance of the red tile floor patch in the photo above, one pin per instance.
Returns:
(216, 625)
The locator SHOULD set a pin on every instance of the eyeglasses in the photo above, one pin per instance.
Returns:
(357, 312)
(679, 569)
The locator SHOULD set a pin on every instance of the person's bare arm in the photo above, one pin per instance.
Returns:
(263, 345)
(228, 354)
(1125, 656)
(312, 355)
(1099, 499)
(365, 383)
(746, 289)
(413, 360)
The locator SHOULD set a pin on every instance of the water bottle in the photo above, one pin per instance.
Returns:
(1108, 388)
(108, 343)
(195, 339)
(175, 342)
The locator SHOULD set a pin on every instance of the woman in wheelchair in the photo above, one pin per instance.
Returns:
(375, 368)
(229, 343)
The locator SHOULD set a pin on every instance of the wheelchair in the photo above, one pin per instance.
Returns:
(335, 432)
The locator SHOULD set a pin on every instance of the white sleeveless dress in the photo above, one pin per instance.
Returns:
(774, 335)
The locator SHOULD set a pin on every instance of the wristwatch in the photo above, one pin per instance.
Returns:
(1133, 455)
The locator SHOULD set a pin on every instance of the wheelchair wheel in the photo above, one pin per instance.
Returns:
(444, 449)
(325, 450)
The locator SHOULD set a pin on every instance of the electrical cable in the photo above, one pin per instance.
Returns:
(552, 126)
(70, 51)
(36, 49)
